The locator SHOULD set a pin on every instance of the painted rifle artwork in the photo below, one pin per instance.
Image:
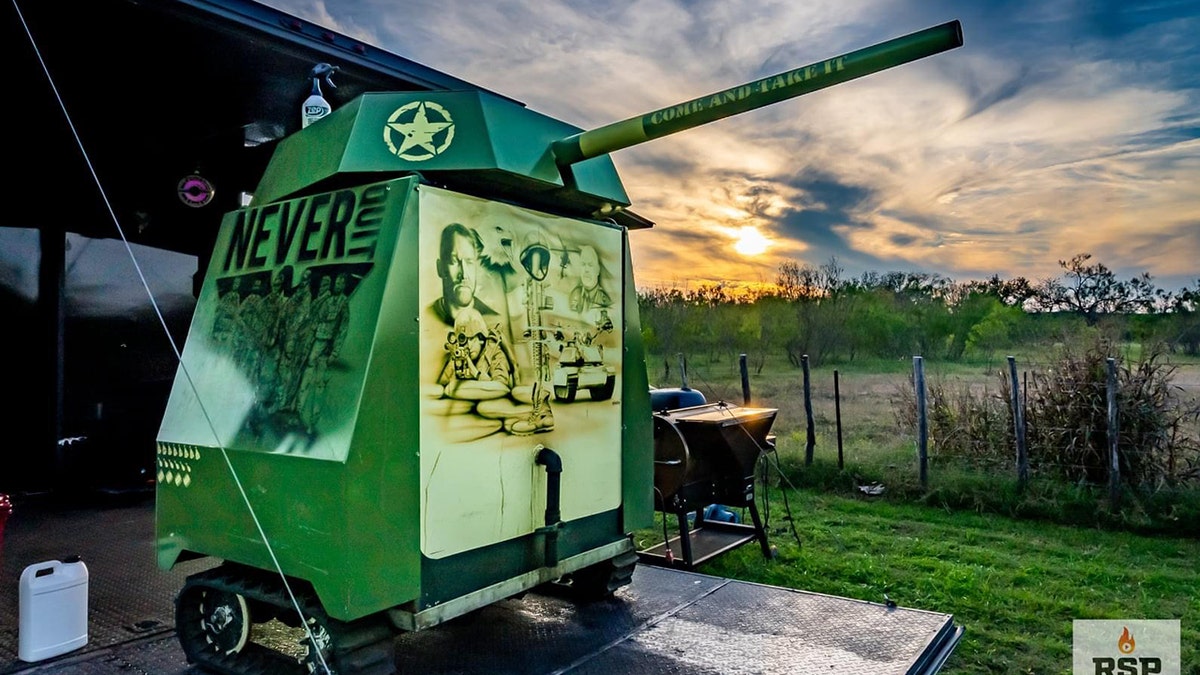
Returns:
(522, 314)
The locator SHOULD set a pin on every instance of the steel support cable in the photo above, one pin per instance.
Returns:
(174, 348)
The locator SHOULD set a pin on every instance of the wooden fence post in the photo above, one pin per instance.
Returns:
(811, 441)
(1018, 425)
(745, 380)
(683, 371)
(922, 422)
(837, 409)
(1114, 469)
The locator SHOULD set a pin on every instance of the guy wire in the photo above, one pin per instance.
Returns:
(174, 348)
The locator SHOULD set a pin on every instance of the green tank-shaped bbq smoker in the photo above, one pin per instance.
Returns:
(414, 383)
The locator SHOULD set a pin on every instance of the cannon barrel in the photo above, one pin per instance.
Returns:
(758, 93)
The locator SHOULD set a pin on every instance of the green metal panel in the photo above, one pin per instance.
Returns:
(296, 500)
(301, 160)
(468, 132)
(447, 578)
(521, 141)
(529, 155)
(383, 469)
(637, 432)
(292, 288)
(387, 133)
(326, 466)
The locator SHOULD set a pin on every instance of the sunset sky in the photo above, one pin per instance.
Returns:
(1060, 127)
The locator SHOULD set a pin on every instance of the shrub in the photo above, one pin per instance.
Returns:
(1067, 418)
(1066, 415)
(966, 425)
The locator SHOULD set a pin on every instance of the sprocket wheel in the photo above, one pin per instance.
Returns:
(220, 619)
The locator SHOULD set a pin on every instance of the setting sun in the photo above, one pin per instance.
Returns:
(750, 241)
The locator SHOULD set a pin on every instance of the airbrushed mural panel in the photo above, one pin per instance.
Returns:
(521, 347)
(279, 343)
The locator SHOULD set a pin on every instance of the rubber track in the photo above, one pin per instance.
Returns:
(604, 578)
(362, 647)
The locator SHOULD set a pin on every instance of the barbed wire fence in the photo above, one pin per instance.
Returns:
(1105, 425)
(1091, 423)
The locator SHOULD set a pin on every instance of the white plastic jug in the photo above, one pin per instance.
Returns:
(54, 608)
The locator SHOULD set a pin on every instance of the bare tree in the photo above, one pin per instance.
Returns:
(813, 294)
(1092, 290)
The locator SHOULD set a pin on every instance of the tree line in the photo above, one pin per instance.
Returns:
(819, 311)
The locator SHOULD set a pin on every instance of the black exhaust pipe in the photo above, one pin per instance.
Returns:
(553, 463)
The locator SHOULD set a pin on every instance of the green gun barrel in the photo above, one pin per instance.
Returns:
(758, 93)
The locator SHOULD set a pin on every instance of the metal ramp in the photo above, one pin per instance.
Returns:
(666, 621)
(674, 621)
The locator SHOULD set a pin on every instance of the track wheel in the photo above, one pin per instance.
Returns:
(211, 622)
(317, 650)
(566, 393)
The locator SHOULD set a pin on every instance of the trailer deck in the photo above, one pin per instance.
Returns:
(667, 620)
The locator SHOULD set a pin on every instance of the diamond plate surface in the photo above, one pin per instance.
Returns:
(157, 655)
(666, 621)
(544, 632)
(748, 628)
(128, 596)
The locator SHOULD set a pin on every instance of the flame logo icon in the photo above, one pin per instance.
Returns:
(1126, 643)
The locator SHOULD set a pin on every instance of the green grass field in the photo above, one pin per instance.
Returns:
(1015, 583)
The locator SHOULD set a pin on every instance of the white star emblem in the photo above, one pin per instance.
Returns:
(421, 137)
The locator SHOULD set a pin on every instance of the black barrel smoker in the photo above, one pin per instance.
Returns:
(706, 454)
